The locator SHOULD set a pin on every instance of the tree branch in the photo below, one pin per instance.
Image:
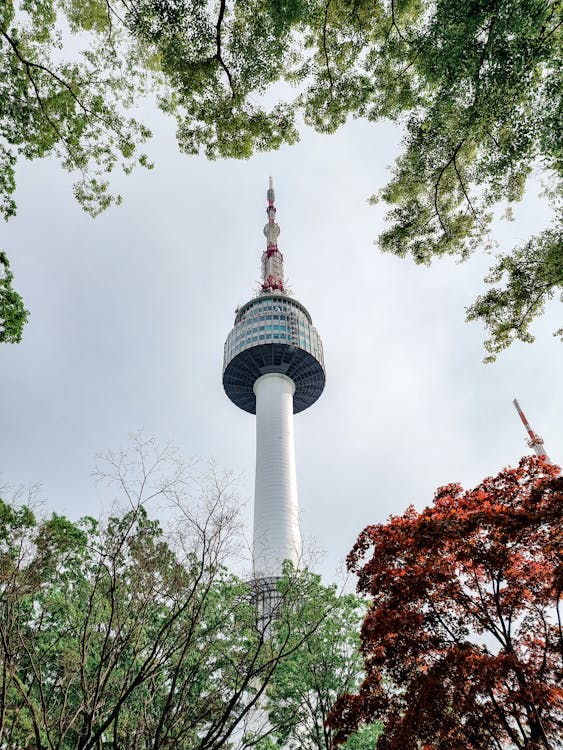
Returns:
(218, 54)
(325, 50)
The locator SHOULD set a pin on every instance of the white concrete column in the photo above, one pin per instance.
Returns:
(276, 523)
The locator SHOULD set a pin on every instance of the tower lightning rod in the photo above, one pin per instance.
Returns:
(535, 442)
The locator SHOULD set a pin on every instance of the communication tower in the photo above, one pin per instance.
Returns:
(274, 367)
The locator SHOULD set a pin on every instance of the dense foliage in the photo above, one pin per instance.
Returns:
(305, 686)
(107, 637)
(57, 100)
(123, 635)
(13, 314)
(463, 640)
(477, 86)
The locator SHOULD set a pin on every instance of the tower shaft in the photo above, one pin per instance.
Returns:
(276, 521)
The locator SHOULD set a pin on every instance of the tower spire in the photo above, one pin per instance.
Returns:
(272, 259)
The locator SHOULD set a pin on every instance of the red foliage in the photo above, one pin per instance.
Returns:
(463, 641)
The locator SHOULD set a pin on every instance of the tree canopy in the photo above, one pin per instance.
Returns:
(463, 640)
(476, 86)
(133, 635)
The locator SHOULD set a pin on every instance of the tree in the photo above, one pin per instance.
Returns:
(206, 63)
(478, 88)
(463, 640)
(476, 85)
(57, 100)
(305, 686)
(122, 635)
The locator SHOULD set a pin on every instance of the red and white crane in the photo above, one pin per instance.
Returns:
(535, 442)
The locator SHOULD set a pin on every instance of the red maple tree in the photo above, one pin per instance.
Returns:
(463, 640)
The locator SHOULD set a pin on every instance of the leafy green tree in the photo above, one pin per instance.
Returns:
(305, 686)
(481, 89)
(57, 101)
(207, 62)
(123, 635)
(477, 86)
(533, 273)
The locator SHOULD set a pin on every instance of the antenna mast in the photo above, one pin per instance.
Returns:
(272, 259)
(535, 442)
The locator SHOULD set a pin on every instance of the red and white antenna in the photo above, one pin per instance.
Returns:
(535, 442)
(272, 259)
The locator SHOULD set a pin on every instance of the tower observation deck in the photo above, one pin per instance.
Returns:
(273, 367)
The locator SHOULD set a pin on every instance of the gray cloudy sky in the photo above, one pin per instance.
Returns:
(130, 312)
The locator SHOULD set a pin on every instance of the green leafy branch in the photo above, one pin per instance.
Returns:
(534, 275)
(13, 315)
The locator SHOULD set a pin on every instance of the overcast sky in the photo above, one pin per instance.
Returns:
(129, 313)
